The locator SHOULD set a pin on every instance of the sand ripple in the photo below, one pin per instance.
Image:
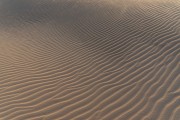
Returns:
(89, 60)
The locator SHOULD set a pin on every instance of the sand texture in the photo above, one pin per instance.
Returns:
(89, 60)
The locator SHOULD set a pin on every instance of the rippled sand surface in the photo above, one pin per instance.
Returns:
(89, 60)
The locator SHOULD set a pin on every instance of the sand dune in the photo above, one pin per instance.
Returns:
(89, 60)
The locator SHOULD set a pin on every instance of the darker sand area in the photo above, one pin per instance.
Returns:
(89, 60)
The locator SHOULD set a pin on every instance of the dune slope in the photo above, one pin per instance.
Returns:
(89, 60)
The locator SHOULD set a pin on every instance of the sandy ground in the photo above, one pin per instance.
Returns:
(89, 60)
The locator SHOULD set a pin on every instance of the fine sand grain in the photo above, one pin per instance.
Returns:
(89, 60)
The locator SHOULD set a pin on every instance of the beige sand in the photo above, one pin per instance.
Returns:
(89, 60)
